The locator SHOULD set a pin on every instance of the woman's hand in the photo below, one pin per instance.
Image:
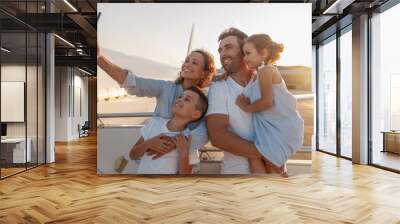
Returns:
(242, 102)
(182, 143)
(160, 145)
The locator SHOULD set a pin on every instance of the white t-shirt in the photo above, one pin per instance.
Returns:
(221, 99)
(168, 163)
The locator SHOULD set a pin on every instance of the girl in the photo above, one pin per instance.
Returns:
(197, 70)
(277, 124)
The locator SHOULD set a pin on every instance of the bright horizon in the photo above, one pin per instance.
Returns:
(136, 30)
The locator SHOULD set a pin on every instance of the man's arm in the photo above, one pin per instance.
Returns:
(221, 137)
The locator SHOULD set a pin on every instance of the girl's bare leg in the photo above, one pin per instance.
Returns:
(272, 168)
(257, 166)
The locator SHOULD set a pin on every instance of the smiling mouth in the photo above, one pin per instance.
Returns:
(226, 61)
(186, 70)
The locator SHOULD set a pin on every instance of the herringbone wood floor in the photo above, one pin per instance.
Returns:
(70, 191)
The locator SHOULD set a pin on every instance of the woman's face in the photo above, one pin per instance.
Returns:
(193, 67)
(252, 57)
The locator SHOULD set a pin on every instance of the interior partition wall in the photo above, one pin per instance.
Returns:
(22, 77)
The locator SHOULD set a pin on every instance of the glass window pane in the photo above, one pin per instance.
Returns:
(386, 89)
(346, 94)
(31, 100)
(22, 71)
(327, 97)
(13, 85)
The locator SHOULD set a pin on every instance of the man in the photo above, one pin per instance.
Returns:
(230, 128)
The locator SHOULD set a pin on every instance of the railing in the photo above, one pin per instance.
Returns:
(304, 96)
(210, 156)
(120, 115)
(112, 115)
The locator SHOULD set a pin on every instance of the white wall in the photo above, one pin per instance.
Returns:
(62, 81)
(69, 82)
(79, 117)
(17, 73)
(32, 127)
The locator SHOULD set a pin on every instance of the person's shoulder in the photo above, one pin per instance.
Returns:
(268, 68)
(187, 131)
(171, 86)
(156, 121)
(268, 71)
(160, 119)
(217, 85)
(216, 89)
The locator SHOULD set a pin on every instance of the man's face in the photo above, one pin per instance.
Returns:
(185, 105)
(230, 54)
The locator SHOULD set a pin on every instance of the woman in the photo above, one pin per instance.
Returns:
(197, 70)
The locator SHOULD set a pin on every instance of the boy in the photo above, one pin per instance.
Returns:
(189, 107)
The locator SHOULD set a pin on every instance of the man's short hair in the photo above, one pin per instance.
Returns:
(202, 103)
(232, 31)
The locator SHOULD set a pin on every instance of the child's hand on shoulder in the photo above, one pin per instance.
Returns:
(182, 143)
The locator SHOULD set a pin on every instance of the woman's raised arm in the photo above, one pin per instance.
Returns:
(113, 70)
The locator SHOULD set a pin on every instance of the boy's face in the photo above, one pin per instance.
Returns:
(185, 105)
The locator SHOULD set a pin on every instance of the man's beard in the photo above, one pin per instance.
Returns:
(234, 66)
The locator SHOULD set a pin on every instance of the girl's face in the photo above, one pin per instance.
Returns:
(252, 57)
(193, 67)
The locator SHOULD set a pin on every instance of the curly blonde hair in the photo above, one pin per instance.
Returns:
(209, 68)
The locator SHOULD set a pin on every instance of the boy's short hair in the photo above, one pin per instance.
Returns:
(202, 103)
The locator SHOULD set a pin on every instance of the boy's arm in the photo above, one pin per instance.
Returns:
(184, 166)
(183, 145)
(138, 149)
